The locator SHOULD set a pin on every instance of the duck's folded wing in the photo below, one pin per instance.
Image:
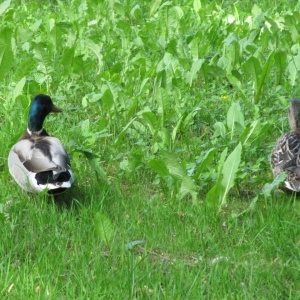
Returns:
(288, 154)
(42, 154)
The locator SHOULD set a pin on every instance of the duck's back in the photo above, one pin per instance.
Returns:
(285, 158)
(40, 162)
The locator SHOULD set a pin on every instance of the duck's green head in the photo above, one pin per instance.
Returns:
(40, 107)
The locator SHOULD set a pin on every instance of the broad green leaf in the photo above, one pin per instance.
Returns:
(234, 118)
(222, 159)
(51, 24)
(140, 127)
(121, 135)
(263, 75)
(197, 5)
(28, 66)
(220, 129)
(233, 55)
(249, 208)
(169, 62)
(18, 89)
(154, 7)
(252, 70)
(256, 12)
(260, 133)
(6, 54)
(68, 60)
(280, 60)
(45, 62)
(132, 108)
(107, 99)
(170, 165)
(229, 171)
(268, 187)
(85, 127)
(36, 25)
(174, 16)
(194, 48)
(132, 244)
(94, 163)
(56, 35)
(136, 12)
(188, 120)
(213, 195)
(83, 67)
(294, 33)
(250, 132)
(176, 128)
(179, 11)
(208, 157)
(90, 98)
(163, 101)
(103, 228)
(143, 84)
(196, 66)
(174, 167)
(2, 212)
(96, 49)
(150, 118)
(188, 186)
(114, 88)
(4, 6)
(223, 62)
(235, 82)
(124, 165)
(293, 68)
(164, 135)
(159, 166)
(266, 192)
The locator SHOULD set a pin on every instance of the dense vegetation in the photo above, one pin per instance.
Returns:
(171, 110)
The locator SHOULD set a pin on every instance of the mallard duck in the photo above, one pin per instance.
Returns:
(285, 155)
(38, 161)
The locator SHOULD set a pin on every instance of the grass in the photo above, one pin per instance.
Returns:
(51, 250)
(149, 89)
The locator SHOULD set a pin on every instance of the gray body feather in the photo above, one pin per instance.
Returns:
(35, 155)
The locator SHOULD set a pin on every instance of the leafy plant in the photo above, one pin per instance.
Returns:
(103, 228)
(171, 110)
(227, 169)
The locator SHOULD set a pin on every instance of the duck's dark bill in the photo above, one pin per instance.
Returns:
(56, 109)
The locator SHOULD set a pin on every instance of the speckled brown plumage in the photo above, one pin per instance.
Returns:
(285, 158)
(286, 152)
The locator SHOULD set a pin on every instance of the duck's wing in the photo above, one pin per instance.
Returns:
(40, 154)
(286, 154)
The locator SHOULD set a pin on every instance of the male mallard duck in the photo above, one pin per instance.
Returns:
(38, 161)
(285, 155)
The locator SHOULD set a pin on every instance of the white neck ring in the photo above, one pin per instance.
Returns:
(36, 132)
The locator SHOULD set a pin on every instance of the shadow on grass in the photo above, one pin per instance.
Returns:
(78, 196)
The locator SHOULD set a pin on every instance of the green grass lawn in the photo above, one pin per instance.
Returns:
(162, 101)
